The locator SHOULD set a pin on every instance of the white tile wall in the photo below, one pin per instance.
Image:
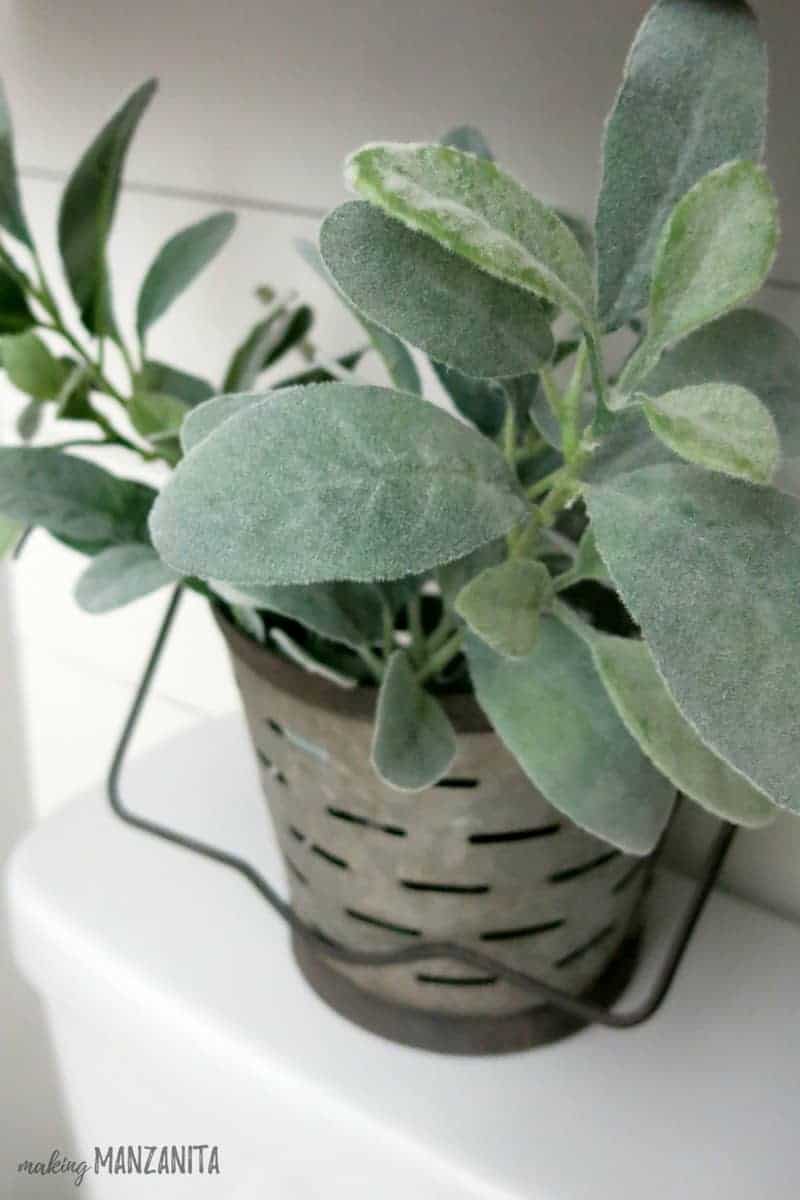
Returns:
(262, 101)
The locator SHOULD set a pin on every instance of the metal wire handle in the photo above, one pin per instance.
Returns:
(585, 1010)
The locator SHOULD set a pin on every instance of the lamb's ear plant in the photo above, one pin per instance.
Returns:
(609, 556)
(91, 386)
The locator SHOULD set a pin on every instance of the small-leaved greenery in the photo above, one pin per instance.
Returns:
(606, 554)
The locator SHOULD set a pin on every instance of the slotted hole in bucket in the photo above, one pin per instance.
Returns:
(457, 981)
(295, 870)
(458, 782)
(514, 835)
(567, 873)
(297, 834)
(446, 889)
(579, 951)
(629, 876)
(341, 814)
(522, 931)
(333, 859)
(379, 923)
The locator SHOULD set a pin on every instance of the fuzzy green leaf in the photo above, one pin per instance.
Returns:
(179, 261)
(303, 658)
(12, 217)
(693, 96)
(503, 603)
(404, 486)
(15, 315)
(72, 498)
(119, 575)
(204, 419)
(587, 564)
(410, 285)
(452, 577)
(87, 212)
(553, 713)
(160, 377)
(350, 613)
(709, 569)
(31, 367)
(413, 744)
(267, 341)
(400, 366)
(640, 697)
(716, 251)
(719, 426)
(471, 207)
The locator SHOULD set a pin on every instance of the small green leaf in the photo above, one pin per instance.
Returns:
(317, 374)
(155, 415)
(72, 498)
(503, 603)
(160, 377)
(719, 426)
(350, 613)
(29, 420)
(452, 577)
(72, 401)
(179, 261)
(694, 96)
(266, 342)
(474, 209)
(640, 697)
(552, 712)
(10, 533)
(413, 744)
(434, 300)
(587, 565)
(204, 419)
(119, 575)
(469, 139)
(715, 251)
(15, 315)
(12, 217)
(87, 212)
(709, 567)
(405, 486)
(31, 367)
(299, 655)
(400, 366)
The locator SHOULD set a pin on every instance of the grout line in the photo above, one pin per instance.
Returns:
(167, 191)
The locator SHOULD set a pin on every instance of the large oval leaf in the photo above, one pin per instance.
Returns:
(119, 575)
(414, 743)
(12, 217)
(87, 212)
(72, 498)
(400, 366)
(177, 263)
(552, 712)
(435, 300)
(693, 96)
(479, 212)
(640, 696)
(710, 569)
(204, 419)
(330, 482)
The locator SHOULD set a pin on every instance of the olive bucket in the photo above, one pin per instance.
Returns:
(480, 860)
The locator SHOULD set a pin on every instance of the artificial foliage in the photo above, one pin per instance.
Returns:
(599, 537)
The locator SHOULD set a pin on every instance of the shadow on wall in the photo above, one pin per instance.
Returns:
(33, 1118)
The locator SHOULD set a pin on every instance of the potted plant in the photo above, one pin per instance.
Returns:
(480, 653)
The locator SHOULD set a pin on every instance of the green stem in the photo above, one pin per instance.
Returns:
(603, 418)
(388, 630)
(545, 483)
(442, 631)
(510, 434)
(417, 647)
(445, 654)
(552, 392)
(372, 661)
(571, 405)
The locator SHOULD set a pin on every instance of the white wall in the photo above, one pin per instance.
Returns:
(260, 102)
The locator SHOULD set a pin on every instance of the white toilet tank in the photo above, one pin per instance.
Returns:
(181, 1021)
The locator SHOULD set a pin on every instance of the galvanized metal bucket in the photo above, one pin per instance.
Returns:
(481, 860)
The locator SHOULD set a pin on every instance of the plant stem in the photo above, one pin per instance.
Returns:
(571, 405)
(603, 418)
(372, 661)
(417, 647)
(545, 483)
(510, 434)
(551, 391)
(441, 632)
(388, 630)
(442, 657)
